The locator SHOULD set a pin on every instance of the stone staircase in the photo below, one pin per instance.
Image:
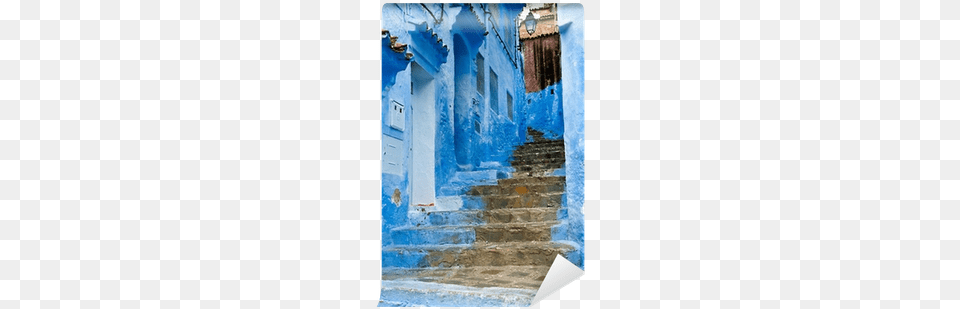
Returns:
(494, 251)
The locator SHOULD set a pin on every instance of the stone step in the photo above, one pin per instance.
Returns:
(518, 277)
(536, 160)
(543, 167)
(478, 254)
(478, 217)
(539, 159)
(529, 200)
(545, 187)
(532, 180)
(468, 234)
(553, 146)
(524, 150)
(509, 215)
(534, 173)
(538, 155)
(411, 293)
(528, 166)
(545, 142)
(515, 231)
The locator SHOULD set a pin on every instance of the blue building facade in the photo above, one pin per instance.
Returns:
(454, 107)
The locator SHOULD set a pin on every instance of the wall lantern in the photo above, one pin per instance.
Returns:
(530, 23)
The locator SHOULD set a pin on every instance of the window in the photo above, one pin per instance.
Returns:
(510, 106)
(494, 93)
(480, 69)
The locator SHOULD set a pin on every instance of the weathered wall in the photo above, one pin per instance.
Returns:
(394, 190)
(406, 22)
(571, 34)
(544, 111)
(499, 134)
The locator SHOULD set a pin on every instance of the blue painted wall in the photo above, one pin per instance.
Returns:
(493, 38)
(456, 110)
(545, 109)
(393, 214)
(571, 46)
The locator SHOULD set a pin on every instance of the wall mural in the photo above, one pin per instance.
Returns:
(482, 179)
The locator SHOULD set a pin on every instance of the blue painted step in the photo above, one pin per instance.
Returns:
(534, 253)
(480, 217)
(433, 235)
(409, 293)
(452, 217)
(463, 181)
(468, 234)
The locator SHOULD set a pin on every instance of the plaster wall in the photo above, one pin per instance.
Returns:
(414, 25)
(571, 34)
(405, 21)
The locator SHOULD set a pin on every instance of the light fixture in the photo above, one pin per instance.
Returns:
(530, 23)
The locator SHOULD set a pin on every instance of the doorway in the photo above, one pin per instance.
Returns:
(423, 146)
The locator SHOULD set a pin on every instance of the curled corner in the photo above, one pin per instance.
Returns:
(561, 273)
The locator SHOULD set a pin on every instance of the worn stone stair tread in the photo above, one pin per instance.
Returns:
(466, 234)
(544, 142)
(520, 277)
(526, 180)
(412, 293)
(430, 247)
(481, 217)
(551, 153)
(527, 150)
(538, 162)
(530, 176)
(521, 245)
(536, 152)
(527, 146)
(517, 210)
(528, 194)
(529, 200)
(542, 167)
(539, 147)
(478, 254)
(521, 224)
(537, 159)
(488, 225)
(486, 245)
(503, 189)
